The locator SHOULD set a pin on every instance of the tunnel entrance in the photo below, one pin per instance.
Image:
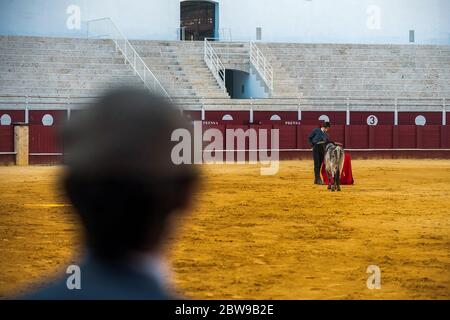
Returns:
(243, 85)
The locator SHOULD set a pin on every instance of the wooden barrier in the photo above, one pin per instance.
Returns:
(21, 144)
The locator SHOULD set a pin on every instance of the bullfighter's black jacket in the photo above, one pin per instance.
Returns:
(316, 136)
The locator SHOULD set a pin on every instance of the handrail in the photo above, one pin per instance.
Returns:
(322, 103)
(106, 28)
(303, 103)
(262, 65)
(215, 65)
(268, 99)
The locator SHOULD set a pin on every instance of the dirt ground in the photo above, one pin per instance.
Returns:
(263, 237)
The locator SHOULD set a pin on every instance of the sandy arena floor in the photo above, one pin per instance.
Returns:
(263, 237)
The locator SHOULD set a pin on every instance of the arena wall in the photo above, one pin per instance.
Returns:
(331, 21)
(405, 140)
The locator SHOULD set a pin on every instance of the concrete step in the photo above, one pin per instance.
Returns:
(81, 83)
(359, 70)
(43, 91)
(366, 58)
(375, 87)
(58, 59)
(444, 83)
(56, 46)
(52, 40)
(337, 53)
(372, 94)
(115, 70)
(67, 77)
(359, 64)
(382, 76)
(94, 53)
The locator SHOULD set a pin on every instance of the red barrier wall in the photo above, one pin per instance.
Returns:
(407, 118)
(7, 142)
(430, 136)
(357, 137)
(16, 115)
(382, 136)
(236, 127)
(303, 132)
(445, 137)
(7, 138)
(337, 134)
(267, 133)
(264, 116)
(35, 116)
(239, 117)
(220, 127)
(287, 135)
(360, 117)
(44, 139)
(312, 117)
(406, 137)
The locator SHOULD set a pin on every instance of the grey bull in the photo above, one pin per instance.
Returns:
(334, 161)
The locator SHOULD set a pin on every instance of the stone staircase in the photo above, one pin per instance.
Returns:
(61, 67)
(180, 67)
(234, 55)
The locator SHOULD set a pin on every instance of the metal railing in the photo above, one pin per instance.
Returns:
(318, 104)
(262, 65)
(214, 64)
(104, 28)
(44, 100)
(24, 102)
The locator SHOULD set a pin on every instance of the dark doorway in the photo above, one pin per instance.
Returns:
(229, 83)
(198, 20)
(244, 85)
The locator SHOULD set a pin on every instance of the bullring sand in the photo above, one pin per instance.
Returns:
(262, 237)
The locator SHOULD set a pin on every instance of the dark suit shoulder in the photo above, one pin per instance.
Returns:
(98, 283)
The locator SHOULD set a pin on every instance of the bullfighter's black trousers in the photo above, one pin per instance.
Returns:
(318, 155)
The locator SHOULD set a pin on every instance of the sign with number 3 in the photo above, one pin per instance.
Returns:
(372, 120)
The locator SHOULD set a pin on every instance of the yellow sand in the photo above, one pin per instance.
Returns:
(264, 237)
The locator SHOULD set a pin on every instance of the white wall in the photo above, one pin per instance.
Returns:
(281, 20)
(138, 19)
(339, 20)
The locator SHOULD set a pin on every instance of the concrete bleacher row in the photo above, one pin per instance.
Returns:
(60, 66)
(357, 70)
(82, 67)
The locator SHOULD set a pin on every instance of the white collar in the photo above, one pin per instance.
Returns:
(154, 266)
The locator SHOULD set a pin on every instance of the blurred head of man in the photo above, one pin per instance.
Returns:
(119, 174)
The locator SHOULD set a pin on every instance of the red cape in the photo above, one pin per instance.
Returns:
(346, 174)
